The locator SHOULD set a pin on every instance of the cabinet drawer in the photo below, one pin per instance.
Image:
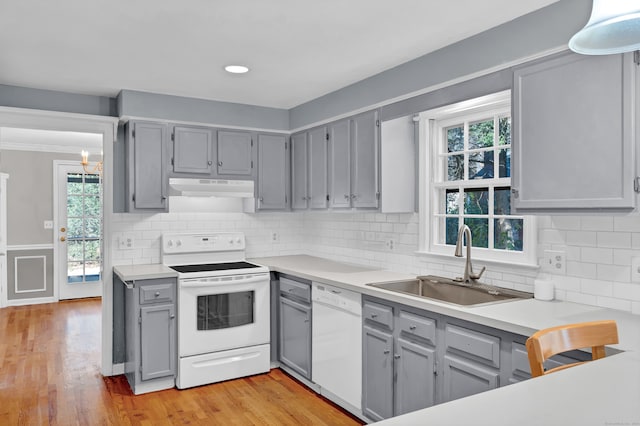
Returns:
(378, 314)
(156, 293)
(295, 289)
(480, 345)
(418, 326)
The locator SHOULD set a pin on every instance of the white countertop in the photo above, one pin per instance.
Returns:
(598, 393)
(143, 272)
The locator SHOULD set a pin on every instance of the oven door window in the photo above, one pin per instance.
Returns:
(217, 311)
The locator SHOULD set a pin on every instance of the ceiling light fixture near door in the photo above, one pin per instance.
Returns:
(614, 27)
(85, 164)
(236, 69)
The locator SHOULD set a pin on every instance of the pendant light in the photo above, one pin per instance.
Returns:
(614, 27)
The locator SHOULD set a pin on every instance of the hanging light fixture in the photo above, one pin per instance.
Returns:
(85, 164)
(614, 27)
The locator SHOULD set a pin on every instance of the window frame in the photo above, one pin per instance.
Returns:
(432, 147)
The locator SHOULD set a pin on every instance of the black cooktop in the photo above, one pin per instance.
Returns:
(213, 267)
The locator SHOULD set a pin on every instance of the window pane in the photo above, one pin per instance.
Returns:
(481, 134)
(479, 231)
(92, 184)
(75, 272)
(74, 228)
(508, 234)
(502, 201)
(476, 201)
(455, 167)
(92, 206)
(481, 165)
(92, 227)
(92, 250)
(455, 138)
(452, 201)
(504, 163)
(74, 205)
(451, 231)
(74, 250)
(504, 131)
(74, 183)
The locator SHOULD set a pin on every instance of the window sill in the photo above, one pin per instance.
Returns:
(500, 263)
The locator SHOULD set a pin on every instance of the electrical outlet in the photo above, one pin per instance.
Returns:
(126, 242)
(635, 269)
(555, 262)
(48, 224)
(390, 243)
(275, 237)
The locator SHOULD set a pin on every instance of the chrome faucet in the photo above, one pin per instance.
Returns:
(469, 276)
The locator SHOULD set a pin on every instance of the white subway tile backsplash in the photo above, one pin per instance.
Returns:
(614, 239)
(581, 238)
(611, 303)
(596, 255)
(597, 223)
(566, 222)
(614, 273)
(596, 287)
(629, 223)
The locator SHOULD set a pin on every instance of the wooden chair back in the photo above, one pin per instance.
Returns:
(551, 341)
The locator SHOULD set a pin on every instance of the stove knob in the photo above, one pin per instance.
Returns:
(170, 243)
(238, 240)
(178, 243)
(230, 240)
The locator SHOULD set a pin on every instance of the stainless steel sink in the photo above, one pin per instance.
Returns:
(452, 291)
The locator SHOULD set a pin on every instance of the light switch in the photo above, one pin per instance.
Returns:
(48, 224)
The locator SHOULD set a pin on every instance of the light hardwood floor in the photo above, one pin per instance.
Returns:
(50, 374)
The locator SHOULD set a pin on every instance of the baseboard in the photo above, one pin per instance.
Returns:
(33, 301)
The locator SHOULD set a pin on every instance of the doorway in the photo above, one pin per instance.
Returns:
(78, 231)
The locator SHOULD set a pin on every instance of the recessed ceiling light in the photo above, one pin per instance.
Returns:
(236, 69)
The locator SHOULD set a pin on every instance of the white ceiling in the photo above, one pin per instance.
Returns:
(297, 49)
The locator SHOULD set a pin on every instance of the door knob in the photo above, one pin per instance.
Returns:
(63, 229)
(63, 239)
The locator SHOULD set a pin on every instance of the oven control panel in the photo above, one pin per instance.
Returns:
(203, 242)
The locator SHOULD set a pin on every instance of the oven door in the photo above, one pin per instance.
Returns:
(221, 313)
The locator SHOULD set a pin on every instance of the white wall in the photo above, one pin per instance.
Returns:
(599, 248)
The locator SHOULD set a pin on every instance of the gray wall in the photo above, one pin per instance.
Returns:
(30, 267)
(30, 194)
(539, 31)
(50, 100)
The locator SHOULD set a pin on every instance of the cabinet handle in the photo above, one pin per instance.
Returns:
(354, 196)
(219, 163)
(164, 197)
(374, 315)
(386, 352)
(209, 162)
(396, 356)
(346, 196)
(306, 320)
(172, 316)
(412, 327)
(157, 294)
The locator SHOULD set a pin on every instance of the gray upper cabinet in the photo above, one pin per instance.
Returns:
(273, 172)
(573, 140)
(339, 164)
(318, 186)
(364, 170)
(235, 153)
(299, 170)
(353, 162)
(146, 169)
(193, 149)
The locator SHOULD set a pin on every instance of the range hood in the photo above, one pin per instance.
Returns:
(211, 187)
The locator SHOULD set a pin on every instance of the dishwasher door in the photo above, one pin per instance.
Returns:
(337, 344)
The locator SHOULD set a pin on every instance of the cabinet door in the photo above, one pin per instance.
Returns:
(235, 153)
(463, 377)
(273, 172)
(339, 165)
(318, 191)
(364, 164)
(157, 341)
(295, 336)
(192, 150)
(299, 194)
(415, 377)
(573, 134)
(377, 375)
(147, 178)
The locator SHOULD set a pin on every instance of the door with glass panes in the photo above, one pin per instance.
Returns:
(79, 232)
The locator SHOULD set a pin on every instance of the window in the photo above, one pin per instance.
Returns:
(469, 181)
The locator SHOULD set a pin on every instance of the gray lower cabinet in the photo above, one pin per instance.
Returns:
(146, 178)
(150, 334)
(273, 172)
(235, 153)
(192, 150)
(573, 115)
(463, 377)
(399, 353)
(295, 325)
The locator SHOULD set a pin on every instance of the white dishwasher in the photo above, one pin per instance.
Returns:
(336, 361)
